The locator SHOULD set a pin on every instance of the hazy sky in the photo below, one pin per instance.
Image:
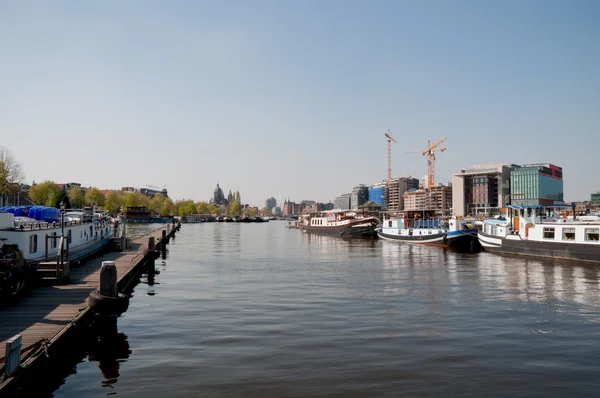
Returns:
(293, 98)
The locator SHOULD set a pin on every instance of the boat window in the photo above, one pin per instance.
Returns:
(592, 234)
(33, 243)
(548, 233)
(410, 231)
(429, 232)
(494, 230)
(568, 234)
(390, 224)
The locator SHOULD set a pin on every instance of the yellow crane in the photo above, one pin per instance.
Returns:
(430, 153)
(390, 139)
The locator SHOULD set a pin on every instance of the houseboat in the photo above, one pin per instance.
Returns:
(542, 231)
(424, 229)
(143, 215)
(342, 223)
(27, 241)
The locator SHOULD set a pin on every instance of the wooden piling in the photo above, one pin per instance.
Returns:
(108, 279)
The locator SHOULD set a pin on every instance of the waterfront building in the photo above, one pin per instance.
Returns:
(276, 211)
(153, 192)
(270, 203)
(481, 189)
(536, 184)
(342, 202)
(377, 193)
(326, 206)
(437, 199)
(595, 198)
(359, 196)
(397, 188)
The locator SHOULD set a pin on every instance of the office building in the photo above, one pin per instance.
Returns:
(595, 198)
(359, 196)
(536, 184)
(437, 199)
(342, 202)
(397, 188)
(482, 189)
(270, 203)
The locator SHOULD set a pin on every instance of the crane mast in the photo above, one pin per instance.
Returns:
(390, 139)
(430, 153)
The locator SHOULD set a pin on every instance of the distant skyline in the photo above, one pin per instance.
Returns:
(292, 98)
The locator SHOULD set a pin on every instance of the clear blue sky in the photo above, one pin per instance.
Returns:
(293, 98)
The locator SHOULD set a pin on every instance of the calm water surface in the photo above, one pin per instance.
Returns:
(256, 310)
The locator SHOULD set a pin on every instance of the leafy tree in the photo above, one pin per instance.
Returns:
(213, 210)
(93, 195)
(266, 211)
(40, 193)
(166, 207)
(251, 211)
(156, 203)
(235, 206)
(11, 174)
(114, 201)
(202, 207)
(187, 207)
(76, 198)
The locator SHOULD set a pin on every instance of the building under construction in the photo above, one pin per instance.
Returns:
(397, 188)
(437, 199)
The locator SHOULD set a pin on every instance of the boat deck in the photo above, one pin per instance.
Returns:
(42, 312)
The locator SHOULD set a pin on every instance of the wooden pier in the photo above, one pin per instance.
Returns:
(47, 314)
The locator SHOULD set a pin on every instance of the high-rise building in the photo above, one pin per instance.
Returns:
(437, 199)
(342, 202)
(359, 196)
(595, 198)
(270, 203)
(397, 188)
(536, 184)
(377, 193)
(482, 189)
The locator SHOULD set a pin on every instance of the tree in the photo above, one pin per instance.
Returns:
(166, 207)
(202, 207)
(187, 207)
(114, 201)
(76, 198)
(41, 193)
(266, 211)
(11, 175)
(94, 196)
(213, 210)
(251, 211)
(156, 203)
(235, 206)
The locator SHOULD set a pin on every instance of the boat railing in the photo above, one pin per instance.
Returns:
(43, 225)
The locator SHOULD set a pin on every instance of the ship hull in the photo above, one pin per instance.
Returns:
(351, 230)
(555, 250)
(427, 240)
(464, 240)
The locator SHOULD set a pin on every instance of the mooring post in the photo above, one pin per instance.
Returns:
(151, 244)
(164, 237)
(108, 279)
(12, 355)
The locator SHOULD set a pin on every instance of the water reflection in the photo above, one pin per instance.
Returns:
(109, 349)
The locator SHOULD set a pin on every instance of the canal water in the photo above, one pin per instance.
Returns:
(257, 310)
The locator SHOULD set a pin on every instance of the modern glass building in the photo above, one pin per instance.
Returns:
(377, 194)
(359, 196)
(535, 184)
(595, 198)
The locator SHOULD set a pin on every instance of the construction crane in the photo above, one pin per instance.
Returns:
(430, 153)
(389, 137)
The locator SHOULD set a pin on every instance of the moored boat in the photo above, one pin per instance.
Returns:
(340, 223)
(542, 231)
(459, 234)
(26, 241)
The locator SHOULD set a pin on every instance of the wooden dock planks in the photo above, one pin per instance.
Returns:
(45, 311)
